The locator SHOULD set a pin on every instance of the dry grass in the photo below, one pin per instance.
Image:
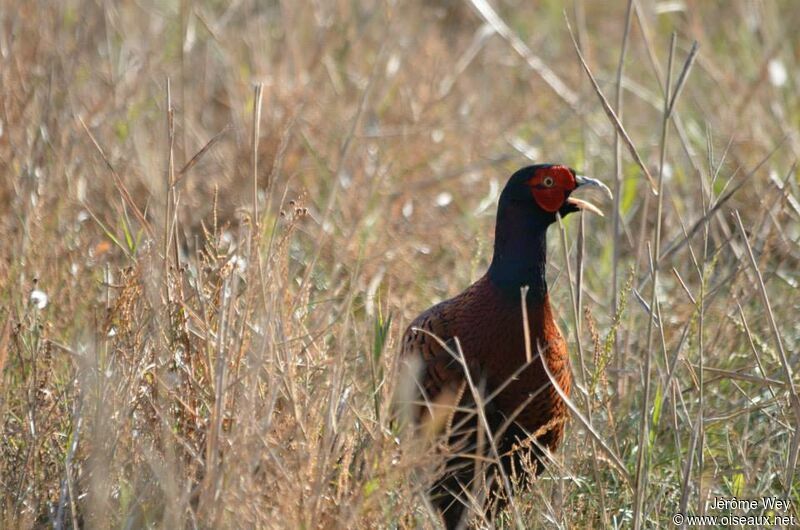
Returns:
(198, 367)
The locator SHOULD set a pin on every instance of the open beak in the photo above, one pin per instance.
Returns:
(580, 204)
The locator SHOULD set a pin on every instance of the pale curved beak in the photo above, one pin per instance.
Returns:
(581, 181)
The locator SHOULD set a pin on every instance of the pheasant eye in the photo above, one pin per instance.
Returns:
(548, 182)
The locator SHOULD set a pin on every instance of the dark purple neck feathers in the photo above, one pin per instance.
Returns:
(520, 251)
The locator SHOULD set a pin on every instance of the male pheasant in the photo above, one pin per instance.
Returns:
(522, 409)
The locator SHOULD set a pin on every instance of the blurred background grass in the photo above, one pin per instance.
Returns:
(192, 366)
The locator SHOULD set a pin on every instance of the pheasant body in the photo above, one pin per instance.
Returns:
(486, 323)
(489, 326)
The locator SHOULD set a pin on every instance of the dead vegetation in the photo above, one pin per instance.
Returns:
(194, 365)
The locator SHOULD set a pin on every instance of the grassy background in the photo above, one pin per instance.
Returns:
(198, 367)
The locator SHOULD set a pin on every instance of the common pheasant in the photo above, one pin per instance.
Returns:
(485, 322)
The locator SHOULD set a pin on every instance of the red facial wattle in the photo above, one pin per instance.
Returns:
(549, 199)
(551, 186)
